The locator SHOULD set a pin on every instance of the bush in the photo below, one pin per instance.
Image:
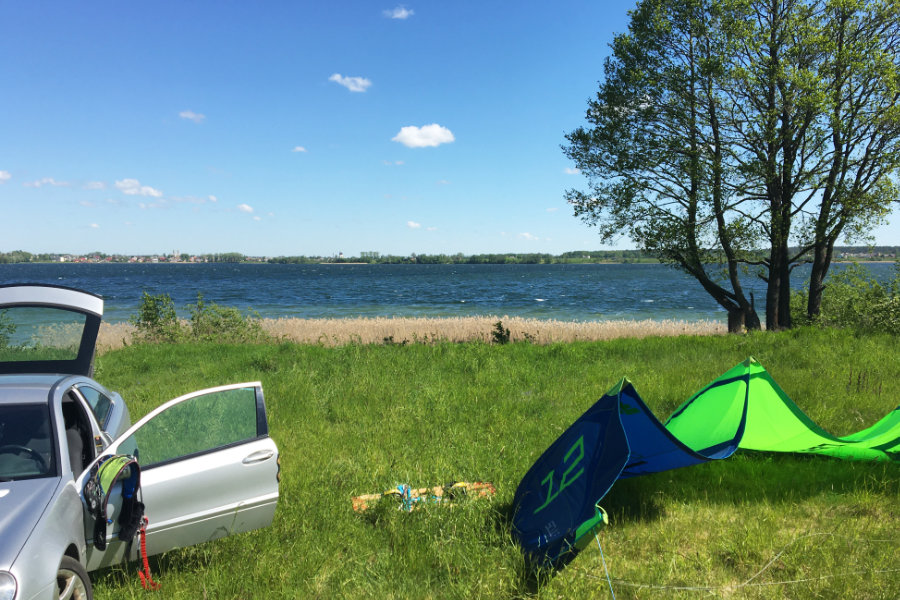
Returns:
(157, 322)
(499, 335)
(854, 299)
(212, 322)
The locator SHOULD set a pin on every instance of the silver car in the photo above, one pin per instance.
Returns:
(207, 466)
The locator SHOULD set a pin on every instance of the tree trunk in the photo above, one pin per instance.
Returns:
(820, 266)
(784, 291)
(772, 290)
(751, 319)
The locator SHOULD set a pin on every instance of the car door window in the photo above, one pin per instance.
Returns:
(99, 403)
(216, 419)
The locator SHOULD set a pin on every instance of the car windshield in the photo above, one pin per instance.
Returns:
(26, 446)
(30, 333)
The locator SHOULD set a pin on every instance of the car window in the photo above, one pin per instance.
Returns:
(197, 425)
(29, 333)
(27, 450)
(98, 402)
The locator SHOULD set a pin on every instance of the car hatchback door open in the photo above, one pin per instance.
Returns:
(208, 469)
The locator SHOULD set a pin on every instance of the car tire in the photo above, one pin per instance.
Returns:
(72, 580)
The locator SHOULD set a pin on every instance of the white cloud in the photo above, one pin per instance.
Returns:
(354, 84)
(94, 226)
(95, 185)
(431, 228)
(571, 171)
(529, 237)
(133, 187)
(87, 204)
(400, 12)
(553, 209)
(299, 149)
(191, 199)
(5, 176)
(151, 205)
(443, 182)
(257, 218)
(395, 163)
(212, 198)
(46, 181)
(192, 116)
(413, 225)
(424, 137)
(245, 208)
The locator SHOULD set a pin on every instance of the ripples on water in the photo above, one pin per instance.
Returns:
(561, 292)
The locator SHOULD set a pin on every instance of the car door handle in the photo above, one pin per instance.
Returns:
(258, 457)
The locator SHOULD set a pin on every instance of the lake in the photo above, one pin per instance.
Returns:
(583, 292)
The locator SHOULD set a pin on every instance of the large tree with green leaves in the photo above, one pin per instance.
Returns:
(655, 154)
(861, 72)
(712, 139)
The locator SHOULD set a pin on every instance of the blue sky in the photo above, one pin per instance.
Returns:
(297, 128)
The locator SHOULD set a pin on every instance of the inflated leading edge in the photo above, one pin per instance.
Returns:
(556, 502)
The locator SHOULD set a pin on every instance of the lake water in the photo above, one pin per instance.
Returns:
(562, 292)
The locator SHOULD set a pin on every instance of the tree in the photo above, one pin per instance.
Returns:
(776, 142)
(861, 62)
(655, 156)
(726, 131)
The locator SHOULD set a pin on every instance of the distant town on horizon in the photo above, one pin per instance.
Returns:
(841, 253)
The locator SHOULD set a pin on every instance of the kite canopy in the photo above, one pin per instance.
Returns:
(774, 422)
(560, 491)
(555, 506)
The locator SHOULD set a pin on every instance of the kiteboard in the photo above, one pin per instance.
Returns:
(410, 498)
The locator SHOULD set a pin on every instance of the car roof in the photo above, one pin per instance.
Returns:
(27, 389)
(43, 303)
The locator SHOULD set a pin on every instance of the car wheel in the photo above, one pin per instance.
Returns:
(73, 581)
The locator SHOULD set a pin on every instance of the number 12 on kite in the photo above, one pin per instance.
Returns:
(567, 477)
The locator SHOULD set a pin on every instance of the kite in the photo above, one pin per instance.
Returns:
(556, 504)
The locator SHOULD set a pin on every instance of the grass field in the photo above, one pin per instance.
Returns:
(358, 418)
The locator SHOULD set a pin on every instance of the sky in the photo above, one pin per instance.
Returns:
(298, 128)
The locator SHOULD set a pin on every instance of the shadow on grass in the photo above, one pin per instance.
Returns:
(744, 480)
(126, 573)
(530, 577)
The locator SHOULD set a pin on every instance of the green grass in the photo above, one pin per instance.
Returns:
(357, 419)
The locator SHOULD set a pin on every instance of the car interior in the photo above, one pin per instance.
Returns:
(26, 448)
(78, 434)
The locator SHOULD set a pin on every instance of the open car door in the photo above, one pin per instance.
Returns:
(208, 469)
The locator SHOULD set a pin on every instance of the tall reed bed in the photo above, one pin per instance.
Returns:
(383, 330)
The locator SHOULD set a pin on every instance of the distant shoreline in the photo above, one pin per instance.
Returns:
(843, 254)
(627, 261)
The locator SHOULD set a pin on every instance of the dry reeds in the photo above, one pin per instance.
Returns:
(384, 330)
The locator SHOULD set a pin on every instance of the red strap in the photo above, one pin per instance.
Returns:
(146, 577)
